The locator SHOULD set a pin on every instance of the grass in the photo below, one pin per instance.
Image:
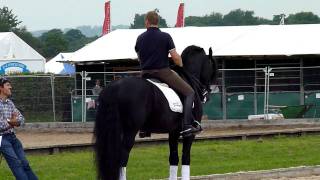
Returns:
(209, 157)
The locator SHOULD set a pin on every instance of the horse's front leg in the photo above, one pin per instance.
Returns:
(174, 156)
(186, 149)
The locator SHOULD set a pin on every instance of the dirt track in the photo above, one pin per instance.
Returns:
(42, 139)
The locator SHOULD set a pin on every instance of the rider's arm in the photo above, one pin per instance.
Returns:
(176, 57)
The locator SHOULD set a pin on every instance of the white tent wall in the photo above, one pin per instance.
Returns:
(56, 67)
(261, 40)
(18, 56)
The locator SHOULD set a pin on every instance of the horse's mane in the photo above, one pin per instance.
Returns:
(191, 51)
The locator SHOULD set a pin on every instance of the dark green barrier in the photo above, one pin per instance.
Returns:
(311, 99)
(240, 105)
(291, 112)
(290, 99)
(213, 108)
(77, 109)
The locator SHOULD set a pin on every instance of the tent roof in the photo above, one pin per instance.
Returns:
(225, 40)
(55, 66)
(13, 48)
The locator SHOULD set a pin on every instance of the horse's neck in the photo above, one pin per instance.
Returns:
(190, 78)
(198, 89)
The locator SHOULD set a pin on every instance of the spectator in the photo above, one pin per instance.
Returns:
(10, 146)
(97, 88)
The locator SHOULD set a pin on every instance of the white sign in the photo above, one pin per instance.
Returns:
(240, 97)
(318, 95)
(21, 66)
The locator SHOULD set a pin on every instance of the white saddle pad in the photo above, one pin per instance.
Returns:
(172, 97)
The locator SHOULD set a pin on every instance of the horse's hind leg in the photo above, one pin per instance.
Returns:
(174, 156)
(127, 144)
(185, 168)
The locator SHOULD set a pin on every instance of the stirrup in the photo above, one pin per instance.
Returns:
(191, 131)
(197, 123)
(186, 133)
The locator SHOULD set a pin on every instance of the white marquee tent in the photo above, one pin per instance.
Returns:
(55, 65)
(225, 40)
(18, 56)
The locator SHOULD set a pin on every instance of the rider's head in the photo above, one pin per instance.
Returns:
(151, 19)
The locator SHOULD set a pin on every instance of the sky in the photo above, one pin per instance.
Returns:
(49, 14)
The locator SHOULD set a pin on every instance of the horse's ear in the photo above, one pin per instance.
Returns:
(210, 52)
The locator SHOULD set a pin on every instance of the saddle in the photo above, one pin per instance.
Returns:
(172, 97)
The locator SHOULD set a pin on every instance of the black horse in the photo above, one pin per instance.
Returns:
(130, 104)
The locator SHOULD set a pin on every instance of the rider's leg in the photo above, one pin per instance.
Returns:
(170, 77)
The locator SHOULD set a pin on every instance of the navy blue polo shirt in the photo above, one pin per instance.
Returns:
(153, 47)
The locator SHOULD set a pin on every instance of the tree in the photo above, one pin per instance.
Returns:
(214, 19)
(8, 21)
(34, 42)
(239, 17)
(54, 42)
(138, 22)
(276, 19)
(76, 39)
(73, 35)
(233, 18)
(302, 18)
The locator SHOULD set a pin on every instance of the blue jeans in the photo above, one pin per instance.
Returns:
(12, 150)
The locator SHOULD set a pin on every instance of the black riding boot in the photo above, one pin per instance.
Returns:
(188, 128)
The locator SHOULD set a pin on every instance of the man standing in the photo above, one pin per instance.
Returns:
(10, 146)
(97, 88)
(153, 47)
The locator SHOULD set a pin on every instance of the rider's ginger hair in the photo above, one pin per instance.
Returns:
(152, 17)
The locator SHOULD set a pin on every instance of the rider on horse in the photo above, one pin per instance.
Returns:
(153, 47)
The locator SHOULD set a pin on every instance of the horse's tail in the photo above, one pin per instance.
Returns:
(107, 132)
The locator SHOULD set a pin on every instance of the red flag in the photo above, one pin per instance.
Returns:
(106, 23)
(180, 17)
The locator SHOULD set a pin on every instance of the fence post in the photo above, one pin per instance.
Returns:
(302, 101)
(83, 96)
(224, 93)
(267, 71)
(53, 97)
(255, 96)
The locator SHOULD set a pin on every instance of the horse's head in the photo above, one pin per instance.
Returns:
(200, 65)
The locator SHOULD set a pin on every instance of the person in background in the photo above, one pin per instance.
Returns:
(153, 47)
(97, 88)
(10, 146)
